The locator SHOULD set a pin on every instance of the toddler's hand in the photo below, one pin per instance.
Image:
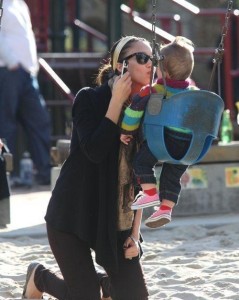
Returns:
(126, 138)
(131, 249)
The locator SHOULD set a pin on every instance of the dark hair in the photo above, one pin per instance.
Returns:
(106, 70)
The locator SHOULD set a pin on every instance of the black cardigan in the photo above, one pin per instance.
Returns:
(84, 200)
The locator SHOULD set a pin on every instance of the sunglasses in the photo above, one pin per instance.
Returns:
(141, 57)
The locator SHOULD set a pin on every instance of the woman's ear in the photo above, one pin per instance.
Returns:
(119, 67)
(124, 67)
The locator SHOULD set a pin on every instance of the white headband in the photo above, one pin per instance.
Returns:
(118, 49)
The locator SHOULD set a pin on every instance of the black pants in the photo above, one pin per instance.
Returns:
(4, 189)
(177, 144)
(80, 277)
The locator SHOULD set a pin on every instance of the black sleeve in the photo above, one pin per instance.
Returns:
(96, 133)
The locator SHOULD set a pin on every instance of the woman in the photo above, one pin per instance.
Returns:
(90, 204)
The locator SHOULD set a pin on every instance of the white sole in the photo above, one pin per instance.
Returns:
(157, 222)
(135, 206)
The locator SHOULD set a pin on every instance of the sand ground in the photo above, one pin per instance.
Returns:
(192, 258)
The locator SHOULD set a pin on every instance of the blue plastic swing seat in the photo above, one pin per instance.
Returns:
(199, 111)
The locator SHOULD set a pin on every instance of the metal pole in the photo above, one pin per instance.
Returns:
(114, 21)
(58, 25)
(75, 30)
(228, 78)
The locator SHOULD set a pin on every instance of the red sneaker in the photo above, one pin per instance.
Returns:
(159, 218)
(143, 200)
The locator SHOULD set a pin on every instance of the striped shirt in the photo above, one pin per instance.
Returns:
(134, 113)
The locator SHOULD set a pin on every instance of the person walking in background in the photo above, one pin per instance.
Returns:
(20, 99)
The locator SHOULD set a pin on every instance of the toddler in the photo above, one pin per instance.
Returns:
(178, 65)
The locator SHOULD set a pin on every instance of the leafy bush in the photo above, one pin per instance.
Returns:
(139, 5)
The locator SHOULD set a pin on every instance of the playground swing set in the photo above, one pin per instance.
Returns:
(199, 111)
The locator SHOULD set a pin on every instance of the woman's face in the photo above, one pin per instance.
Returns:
(140, 73)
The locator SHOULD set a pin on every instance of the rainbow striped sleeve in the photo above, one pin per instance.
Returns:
(134, 113)
(131, 120)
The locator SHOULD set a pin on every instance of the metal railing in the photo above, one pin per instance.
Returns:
(60, 108)
(91, 34)
(56, 79)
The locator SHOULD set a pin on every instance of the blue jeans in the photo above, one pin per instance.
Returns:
(21, 102)
(169, 181)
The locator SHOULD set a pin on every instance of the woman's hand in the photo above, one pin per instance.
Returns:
(120, 93)
(131, 248)
(126, 138)
(121, 88)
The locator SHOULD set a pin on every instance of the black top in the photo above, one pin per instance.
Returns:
(84, 200)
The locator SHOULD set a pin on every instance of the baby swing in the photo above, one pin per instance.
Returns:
(199, 111)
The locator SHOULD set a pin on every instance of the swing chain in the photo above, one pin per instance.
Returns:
(154, 44)
(220, 50)
(226, 25)
(217, 60)
(1, 11)
(156, 56)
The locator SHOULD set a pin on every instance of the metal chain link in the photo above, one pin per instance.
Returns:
(220, 50)
(154, 2)
(226, 24)
(157, 57)
(1, 12)
(155, 46)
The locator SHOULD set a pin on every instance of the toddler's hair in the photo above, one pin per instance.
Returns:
(178, 59)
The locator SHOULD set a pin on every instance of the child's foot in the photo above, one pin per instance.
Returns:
(159, 218)
(143, 200)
